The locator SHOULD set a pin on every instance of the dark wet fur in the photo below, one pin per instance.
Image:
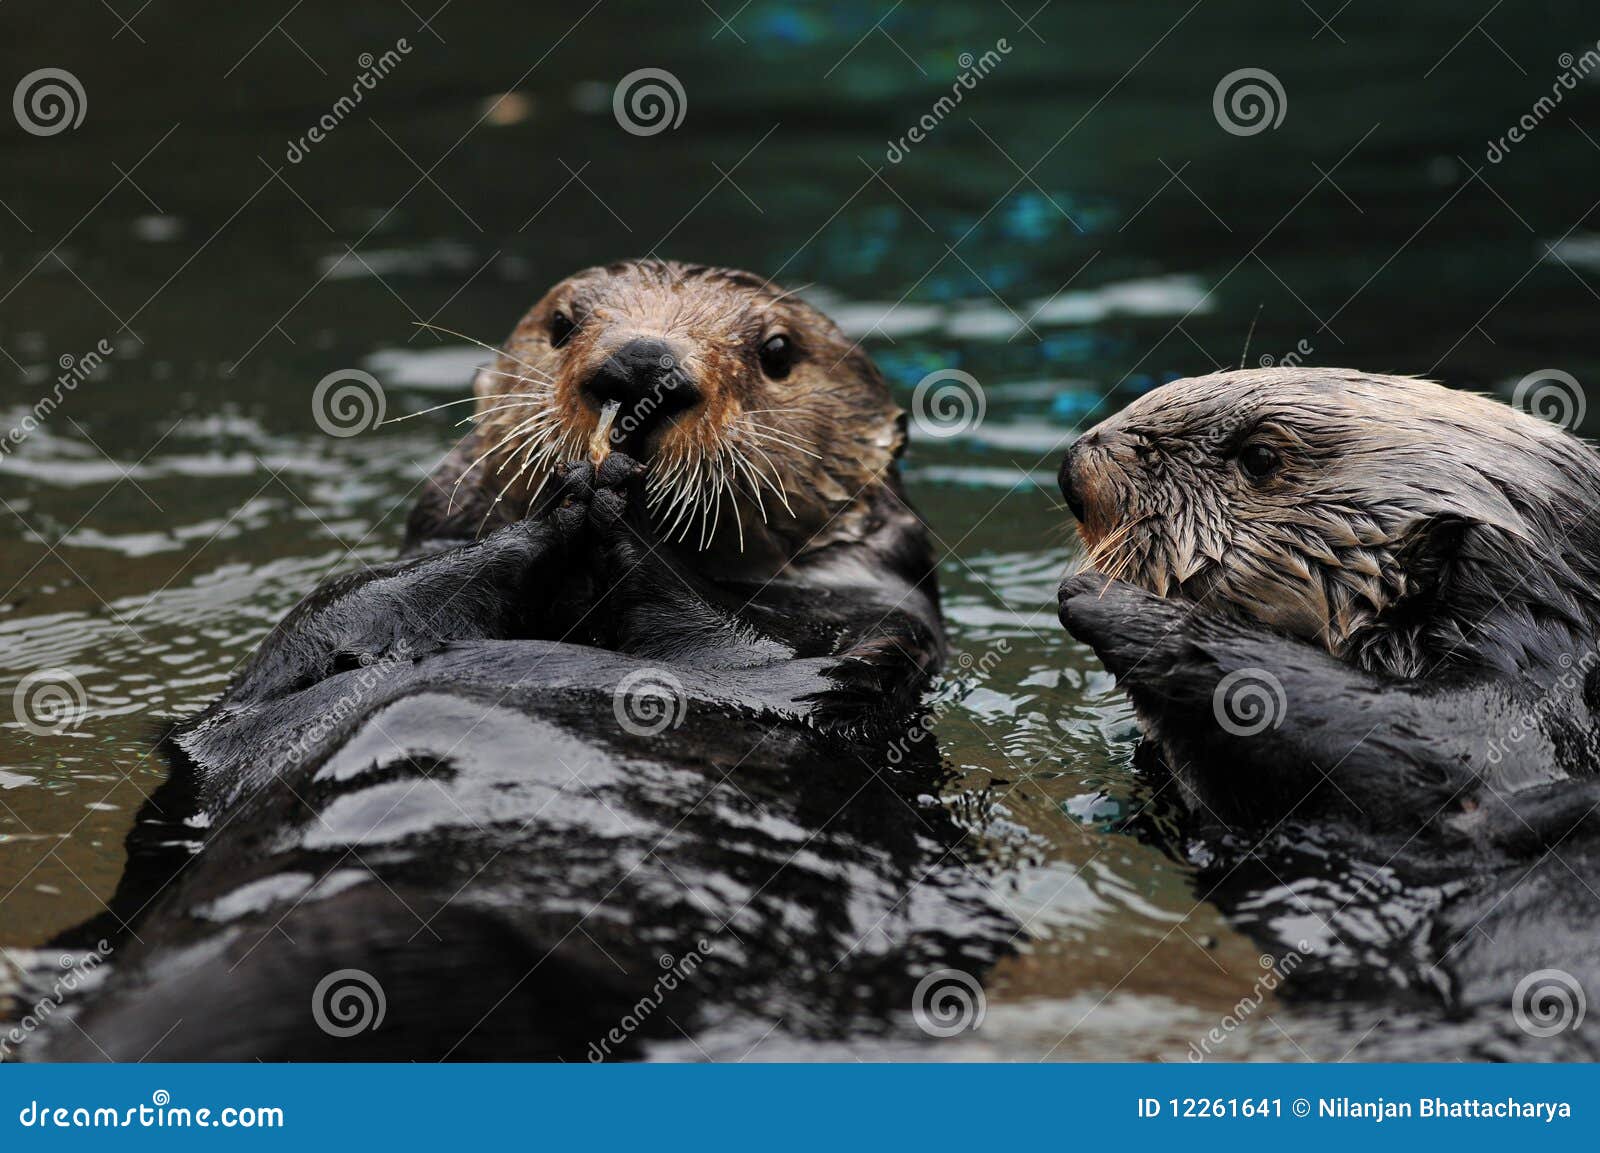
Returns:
(1406, 587)
(467, 822)
(1430, 875)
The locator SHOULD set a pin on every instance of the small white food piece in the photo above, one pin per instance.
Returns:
(600, 439)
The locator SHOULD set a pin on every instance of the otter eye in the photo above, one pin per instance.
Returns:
(1258, 462)
(561, 327)
(777, 357)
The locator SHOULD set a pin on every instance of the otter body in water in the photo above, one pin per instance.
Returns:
(1362, 612)
(610, 720)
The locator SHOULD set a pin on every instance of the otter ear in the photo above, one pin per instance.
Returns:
(1429, 549)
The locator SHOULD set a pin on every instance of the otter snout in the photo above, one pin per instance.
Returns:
(1071, 479)
(647, 378)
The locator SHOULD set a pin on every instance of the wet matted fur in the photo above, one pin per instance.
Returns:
(605, 712)
(1362, 612)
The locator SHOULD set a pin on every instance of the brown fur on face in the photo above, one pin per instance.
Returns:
(1378, 482)
(760, 469)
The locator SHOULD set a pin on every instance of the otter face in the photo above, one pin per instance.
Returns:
(1316, 501)
(758, 422)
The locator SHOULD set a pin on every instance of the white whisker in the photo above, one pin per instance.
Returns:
(436, 408)
(482, 345)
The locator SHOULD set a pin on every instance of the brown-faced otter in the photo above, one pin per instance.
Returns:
(770, 436)
(1369, 604)
(612, 713)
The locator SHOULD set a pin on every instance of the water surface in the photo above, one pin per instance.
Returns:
(1079, 229)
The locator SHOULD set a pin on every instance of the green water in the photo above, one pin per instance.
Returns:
(1077, 229)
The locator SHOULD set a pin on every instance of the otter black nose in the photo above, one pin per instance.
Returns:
(646, 378)
(1069, 483)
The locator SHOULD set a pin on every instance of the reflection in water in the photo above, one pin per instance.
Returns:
(1077, 231)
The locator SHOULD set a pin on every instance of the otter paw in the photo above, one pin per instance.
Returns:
(1092, 604)
(619, 499)
(1128, 627)
(616, 470)
(574, 485)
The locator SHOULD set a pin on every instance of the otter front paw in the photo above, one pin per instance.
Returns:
(572, 485)
(554, 527)
(651, 604)
(619, 521)
(1134, 632)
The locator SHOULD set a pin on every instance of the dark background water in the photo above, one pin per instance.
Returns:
(1080, 228)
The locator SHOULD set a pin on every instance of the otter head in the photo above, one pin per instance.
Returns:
(759, 423)
(1401, 525)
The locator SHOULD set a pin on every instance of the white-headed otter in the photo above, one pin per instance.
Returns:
(1328, 504)
(1369, 603)
(614, 711)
